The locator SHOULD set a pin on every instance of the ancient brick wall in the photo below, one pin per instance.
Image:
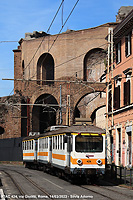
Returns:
(10, 116)
(74, 55)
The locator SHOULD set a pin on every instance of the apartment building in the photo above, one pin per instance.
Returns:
(120, 92)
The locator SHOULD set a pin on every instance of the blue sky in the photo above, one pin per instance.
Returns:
(20, 16)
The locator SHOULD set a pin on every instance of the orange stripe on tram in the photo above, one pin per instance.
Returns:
(87, 161)
(58, 156)
(42, 153)
(28, 154)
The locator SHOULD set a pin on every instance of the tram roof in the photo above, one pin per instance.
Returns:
(70, 129)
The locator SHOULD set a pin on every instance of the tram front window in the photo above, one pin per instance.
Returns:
(88, 143)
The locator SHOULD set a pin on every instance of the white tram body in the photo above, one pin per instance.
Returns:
(29, 150)
(75, 150)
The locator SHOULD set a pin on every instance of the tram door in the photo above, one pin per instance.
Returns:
(36, 149)
(69, 149)
(50, 149)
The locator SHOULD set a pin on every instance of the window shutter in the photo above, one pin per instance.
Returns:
(126, 46)
(125, 93)
(117, 97)
(130, 43)
(116, 53)
(128, 92)
(119, 51)
(109, 102)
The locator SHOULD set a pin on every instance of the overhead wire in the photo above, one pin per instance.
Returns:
(59, 33)
(45, 36)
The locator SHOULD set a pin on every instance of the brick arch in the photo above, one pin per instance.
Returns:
(45, 68)
(99, 105)
(95, 104)
(93, 60)
(93, 116)
(86, 89)
(45, 90)
(78, 89)
(44, 116)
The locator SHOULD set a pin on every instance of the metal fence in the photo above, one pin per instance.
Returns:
(122, 175)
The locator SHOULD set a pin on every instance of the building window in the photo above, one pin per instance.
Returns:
(1, 130)
(127, 86)
(117, 97)
(117, 92)
(128, 45)
(118, 52)
(127, 93)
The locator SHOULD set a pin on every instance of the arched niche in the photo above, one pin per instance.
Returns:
(44, 113)
(2, 130)
(94, 64)
(45, 69)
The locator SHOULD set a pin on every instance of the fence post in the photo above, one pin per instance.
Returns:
(111, 170)
(125, 175)
(131, 178)
(115, 172)
(120, 174)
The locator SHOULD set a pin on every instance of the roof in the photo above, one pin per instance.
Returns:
(126, 24)
(71, 129)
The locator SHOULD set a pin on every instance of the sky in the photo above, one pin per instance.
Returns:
(18, 17)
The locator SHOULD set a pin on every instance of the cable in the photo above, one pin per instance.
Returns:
(68, 60)
(45, 36)
(58, 33)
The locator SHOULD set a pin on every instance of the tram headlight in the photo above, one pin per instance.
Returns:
(79, 162)
(99, 162)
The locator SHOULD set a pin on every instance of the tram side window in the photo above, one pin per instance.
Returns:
(47, 142)
(28, 145)
(42, 143)
(58, 142)
(23, 145)
(61, 142)
(32, 144)
(55, 142)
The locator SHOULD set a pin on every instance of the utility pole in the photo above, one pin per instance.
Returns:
(68, 111)
(28, 116)
(112, 78)
(60, 105)
(110, 63)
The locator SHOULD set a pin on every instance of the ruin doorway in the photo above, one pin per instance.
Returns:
(44, 113)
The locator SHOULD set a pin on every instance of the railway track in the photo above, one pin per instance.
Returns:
(108, 189)
(21, 191)
(99, 190)
(99, 193)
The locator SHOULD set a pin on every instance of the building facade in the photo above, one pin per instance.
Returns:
(120, 95)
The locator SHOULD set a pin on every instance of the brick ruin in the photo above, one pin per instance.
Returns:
(78, 58)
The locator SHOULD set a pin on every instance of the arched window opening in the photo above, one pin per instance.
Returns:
(23, 68)
(45, 115)
(94, 64)
(45, 69)
(1, 130)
